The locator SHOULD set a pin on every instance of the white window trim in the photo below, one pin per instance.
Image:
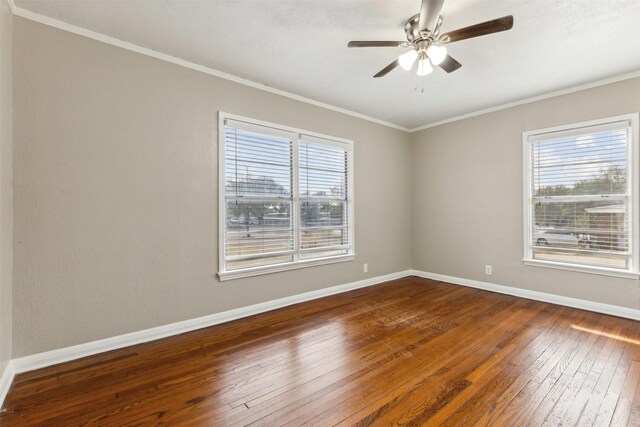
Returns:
(296, 263)
(634, 268)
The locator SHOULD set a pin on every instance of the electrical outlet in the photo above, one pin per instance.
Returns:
(488, 270)
(365, 267)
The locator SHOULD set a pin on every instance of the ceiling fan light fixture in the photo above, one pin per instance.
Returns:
(406, 60)
(436, 54)
(423, 34)
(424, 67)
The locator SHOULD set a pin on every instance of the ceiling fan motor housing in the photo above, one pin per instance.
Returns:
(413, 32)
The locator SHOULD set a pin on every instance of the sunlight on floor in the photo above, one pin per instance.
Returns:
(605, 334)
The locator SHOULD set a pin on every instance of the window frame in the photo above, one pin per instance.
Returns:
(297, 263)
(633, 271)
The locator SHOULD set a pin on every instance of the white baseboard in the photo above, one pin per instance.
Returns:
(597, 307)
(48, 358)
(5, 381)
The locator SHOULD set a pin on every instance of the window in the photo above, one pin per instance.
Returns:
(581, 196)
(285, 198)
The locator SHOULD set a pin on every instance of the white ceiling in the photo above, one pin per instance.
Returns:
(300, 46)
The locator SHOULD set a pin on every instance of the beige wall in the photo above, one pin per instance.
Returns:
(6, 196)
(116, 206)
(115, 192)
(467, 195)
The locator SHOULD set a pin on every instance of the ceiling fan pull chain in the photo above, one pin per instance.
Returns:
(419, 87)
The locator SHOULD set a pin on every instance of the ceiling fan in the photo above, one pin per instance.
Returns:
(427, 43)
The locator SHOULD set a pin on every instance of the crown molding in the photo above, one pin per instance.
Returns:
(55, 23)
(548, 95)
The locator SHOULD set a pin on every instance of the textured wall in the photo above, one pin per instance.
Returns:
(116, 207)
(116, 199)
(6, 195)
(467, 195)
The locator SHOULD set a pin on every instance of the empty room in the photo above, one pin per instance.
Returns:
(319, 212)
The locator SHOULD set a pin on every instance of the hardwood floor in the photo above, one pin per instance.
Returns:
(407, 352)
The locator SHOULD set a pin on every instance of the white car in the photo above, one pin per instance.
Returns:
(543, 238)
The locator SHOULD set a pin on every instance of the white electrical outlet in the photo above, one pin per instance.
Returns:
(365, 267)
(487, 270)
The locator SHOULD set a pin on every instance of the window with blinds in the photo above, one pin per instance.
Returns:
(285, 198)
(582, 185)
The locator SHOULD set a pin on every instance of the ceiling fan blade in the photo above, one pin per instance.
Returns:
(449, 64)
(501, 24)
(429, 13)
(386, 69)
(377, 44)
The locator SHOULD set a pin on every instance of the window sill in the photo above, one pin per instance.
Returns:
(583, 269)
(257, 271)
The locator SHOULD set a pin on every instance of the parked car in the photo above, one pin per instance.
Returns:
(554, 238)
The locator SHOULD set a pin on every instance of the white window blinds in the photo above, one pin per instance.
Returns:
(580, 196)
(258, 196)
(286, 197)
(324, 201)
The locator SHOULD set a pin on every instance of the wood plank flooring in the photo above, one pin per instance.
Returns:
(408, 352)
